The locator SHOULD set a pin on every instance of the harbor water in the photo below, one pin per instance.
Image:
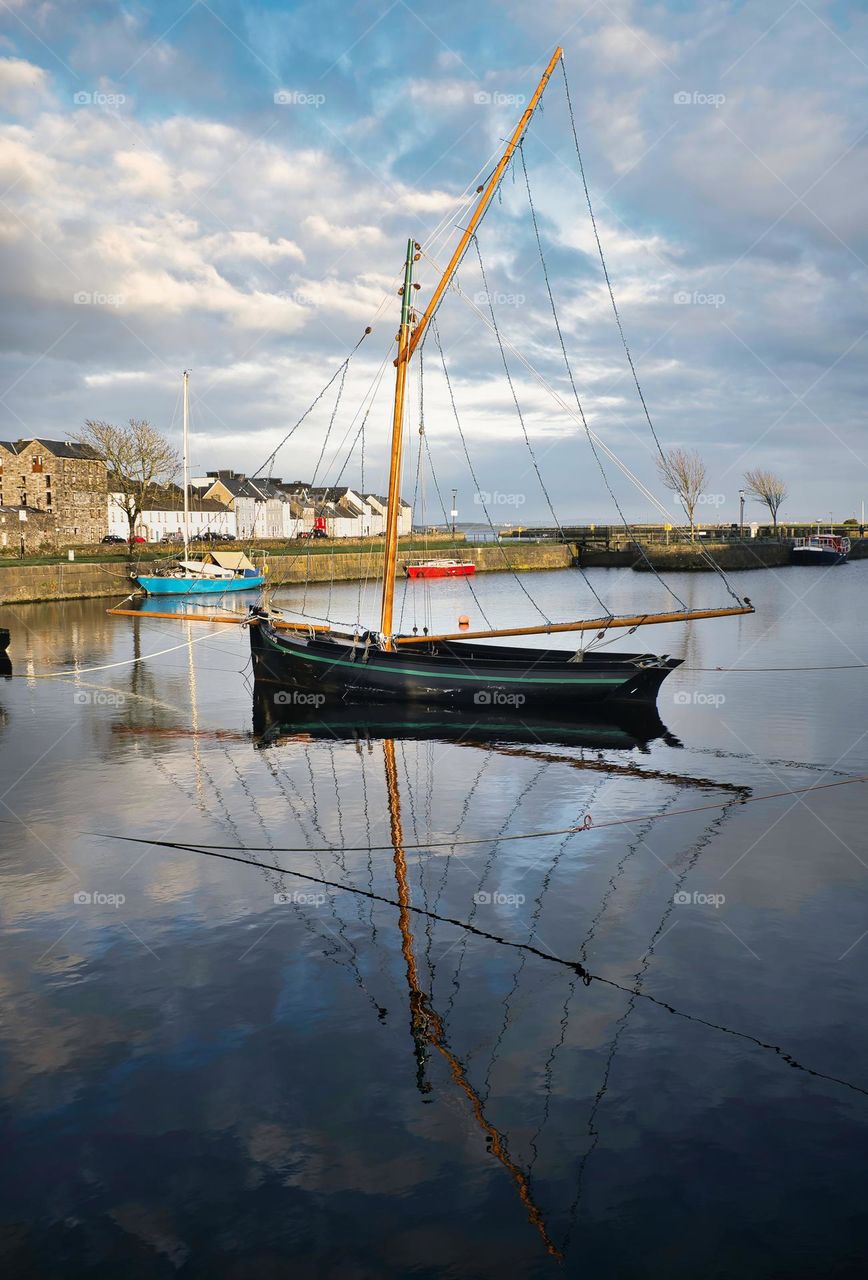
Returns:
(405, 1041)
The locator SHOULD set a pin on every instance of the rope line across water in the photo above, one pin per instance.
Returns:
(587, 824)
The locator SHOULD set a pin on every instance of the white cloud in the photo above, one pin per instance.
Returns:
(22, 84)
(144, 173)
(627, 49)
(321, 227)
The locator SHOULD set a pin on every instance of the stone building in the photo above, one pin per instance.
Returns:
(57, 478)
(35, 532)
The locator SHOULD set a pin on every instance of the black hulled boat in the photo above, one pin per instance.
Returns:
(327, 668)
(451, 669)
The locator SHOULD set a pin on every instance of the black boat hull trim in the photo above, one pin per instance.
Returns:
(328, 668)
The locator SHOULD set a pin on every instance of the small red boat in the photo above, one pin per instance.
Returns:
(439, 568)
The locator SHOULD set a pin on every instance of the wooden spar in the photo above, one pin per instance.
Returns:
(390, 555)
(483, 204)
(590, 624)
(181, 617)
(214, 617)
(426, 1025)
(293, 626)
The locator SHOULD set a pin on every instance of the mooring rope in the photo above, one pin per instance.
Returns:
(586, 975)
(587, 824)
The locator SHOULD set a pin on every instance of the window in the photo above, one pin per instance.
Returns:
(37, 462)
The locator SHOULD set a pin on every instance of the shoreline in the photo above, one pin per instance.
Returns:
(75, 580)
(81, 580)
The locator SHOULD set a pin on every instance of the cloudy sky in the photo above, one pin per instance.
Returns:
(229, 187)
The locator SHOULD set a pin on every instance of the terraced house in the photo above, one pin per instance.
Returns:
(56, 479)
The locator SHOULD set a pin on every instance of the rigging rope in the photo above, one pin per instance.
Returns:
(467, 580)
(109, 666)
(706, 555)
(509, 566)
(627, 527)
(518, 411)
(559, 400)
(339, 372)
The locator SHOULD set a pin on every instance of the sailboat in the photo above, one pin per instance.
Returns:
(215, 571)
(464, 669)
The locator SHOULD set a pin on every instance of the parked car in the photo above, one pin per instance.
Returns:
(137, 537)
(312, 533)
(171, 537)
(113, 538)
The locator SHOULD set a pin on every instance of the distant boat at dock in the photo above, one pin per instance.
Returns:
(215, 572)
(438, 568)
(821, 548)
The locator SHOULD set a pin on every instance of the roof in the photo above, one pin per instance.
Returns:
(384, 502)
(235, 485)
(168, 497)
(243, 487)
(59, 448)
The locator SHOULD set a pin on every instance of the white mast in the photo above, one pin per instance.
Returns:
(186, 465)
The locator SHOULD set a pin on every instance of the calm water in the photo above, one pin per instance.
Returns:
(210, 1069)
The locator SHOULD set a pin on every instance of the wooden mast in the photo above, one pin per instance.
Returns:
(483, 203)
(407, 344)
(393, 502)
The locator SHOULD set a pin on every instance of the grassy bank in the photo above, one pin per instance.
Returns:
(153, 553)
(22, 583)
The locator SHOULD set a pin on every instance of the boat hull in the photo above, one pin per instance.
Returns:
(817, 555)
(439, 571)
(153, 585)
(610, 726)
(326, 670)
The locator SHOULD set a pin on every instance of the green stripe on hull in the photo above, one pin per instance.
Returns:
(436, 675)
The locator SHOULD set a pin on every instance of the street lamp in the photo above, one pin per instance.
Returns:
(741, 515)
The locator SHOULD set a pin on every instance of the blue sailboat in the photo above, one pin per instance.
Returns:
(214, 573)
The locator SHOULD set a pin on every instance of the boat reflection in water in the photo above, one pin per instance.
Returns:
(286, 717)
(284, 712)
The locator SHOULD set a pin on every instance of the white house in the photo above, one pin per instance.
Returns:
(163, 515)
(378, 505)
(348, 513)
(262, 509)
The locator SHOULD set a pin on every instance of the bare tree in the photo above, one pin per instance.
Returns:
(138, 458)
(684, 473)
(767, 488)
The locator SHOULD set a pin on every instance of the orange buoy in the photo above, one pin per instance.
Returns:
(464, 621)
